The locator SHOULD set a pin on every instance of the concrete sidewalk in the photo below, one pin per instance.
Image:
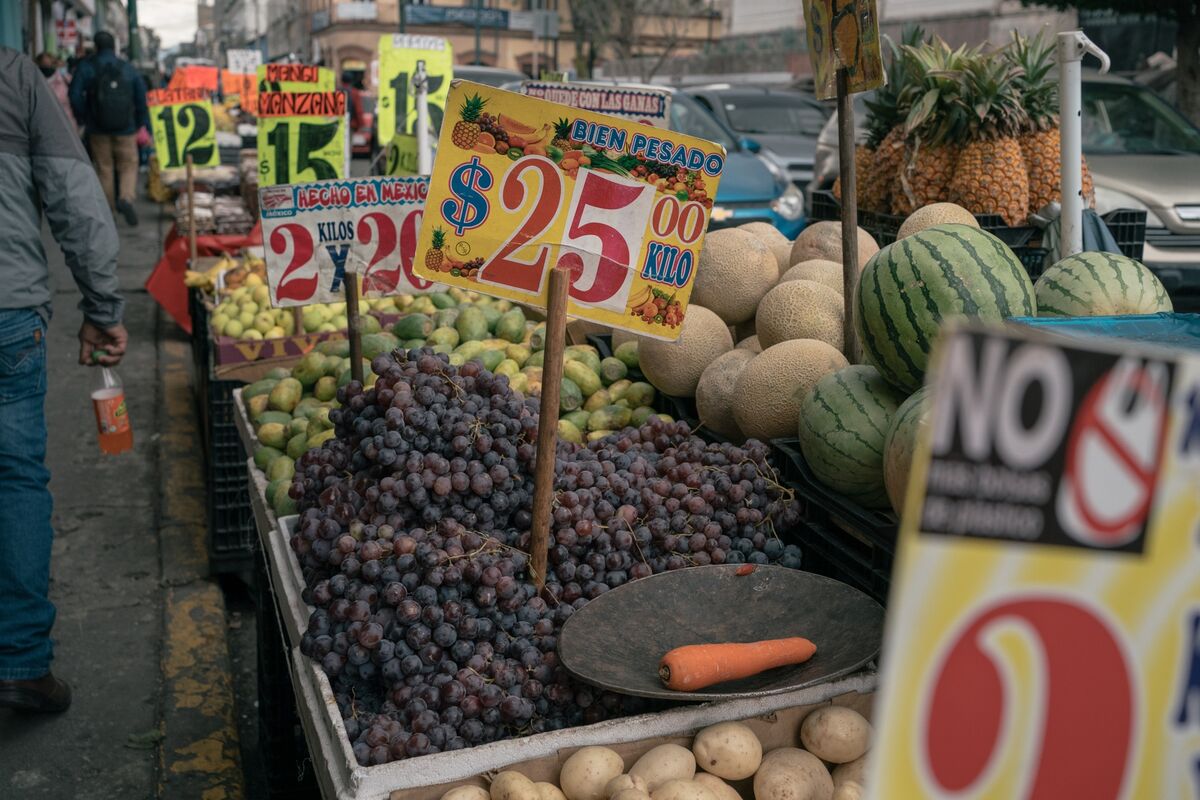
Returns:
(141, 629)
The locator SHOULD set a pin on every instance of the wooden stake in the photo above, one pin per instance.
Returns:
(191, 214)
(356, 368)
(849, 211)
(552, 372)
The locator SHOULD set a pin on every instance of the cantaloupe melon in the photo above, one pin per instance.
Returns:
(936, 214)
(800, 310)
(744, 330)
(819, 270)
(900, 442)
(715, 392)
(766, 403)
(675, 367)
(751, 343)
(824, 240)
(780, 245)
(736, 269)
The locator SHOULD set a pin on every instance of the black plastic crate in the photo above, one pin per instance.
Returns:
(1033, 259)
(825, 552)
(825, 206)
(859, 540)
(231, 528)
(1128, 227)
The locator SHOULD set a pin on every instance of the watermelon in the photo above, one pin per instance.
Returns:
(1099, 284)
(843, 422)
(909, 287)
(901, 442)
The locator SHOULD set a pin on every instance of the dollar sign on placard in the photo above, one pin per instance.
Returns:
(470, 208)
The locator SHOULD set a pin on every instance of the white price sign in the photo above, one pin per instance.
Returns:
(315, 234)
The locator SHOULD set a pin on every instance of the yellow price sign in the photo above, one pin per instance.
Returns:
(843, 34)
(401, 156)
(522, 185)
(396, 110)
(181, 121)
(301, 125)
(1043, 634)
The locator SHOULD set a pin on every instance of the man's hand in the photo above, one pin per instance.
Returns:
(107, 343)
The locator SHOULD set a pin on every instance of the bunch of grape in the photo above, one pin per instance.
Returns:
(414, 540)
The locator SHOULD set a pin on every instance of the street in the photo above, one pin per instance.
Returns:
(141, 628)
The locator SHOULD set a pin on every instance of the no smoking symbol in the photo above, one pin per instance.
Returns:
(1113, 455)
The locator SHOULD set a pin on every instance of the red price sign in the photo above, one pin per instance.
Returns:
(318, 233)
(522, 185)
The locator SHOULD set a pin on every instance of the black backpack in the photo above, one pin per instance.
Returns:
(112, 99)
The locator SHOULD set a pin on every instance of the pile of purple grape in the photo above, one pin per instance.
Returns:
(414, 538)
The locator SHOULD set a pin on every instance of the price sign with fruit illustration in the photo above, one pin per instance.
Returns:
(182, 123)
(316, 234)
(398, 57)
(1043, 633)
(647, 106)
(844, 34)
(301, 125)
(523, 185)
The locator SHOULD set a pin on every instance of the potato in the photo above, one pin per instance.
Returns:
(548, 791)
(852, 771)
(720, 789)
(790, 773)
(664, 763)
(850, 790)
(836, 734)
(682, 790)
(623, 782)
(511, 785)
(631, 794)
(728, 750)
(466, 793)
(587, 772)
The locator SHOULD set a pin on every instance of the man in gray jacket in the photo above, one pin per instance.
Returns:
(43, 169)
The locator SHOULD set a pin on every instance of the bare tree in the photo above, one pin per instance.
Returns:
(642, 33)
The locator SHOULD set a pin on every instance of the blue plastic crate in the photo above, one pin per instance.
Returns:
(1164, 330)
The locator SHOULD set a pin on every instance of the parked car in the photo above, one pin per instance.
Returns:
(361, 139)
(784, 123)
(1143, 154)
(752, 189)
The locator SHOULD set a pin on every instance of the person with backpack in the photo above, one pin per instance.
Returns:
(108, 97)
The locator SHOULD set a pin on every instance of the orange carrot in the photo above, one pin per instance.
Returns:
(696, 666)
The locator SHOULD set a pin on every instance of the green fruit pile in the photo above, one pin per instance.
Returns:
(289, 409)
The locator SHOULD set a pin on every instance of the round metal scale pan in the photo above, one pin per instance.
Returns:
(615, 641)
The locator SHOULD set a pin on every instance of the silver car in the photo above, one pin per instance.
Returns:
(1143, 154)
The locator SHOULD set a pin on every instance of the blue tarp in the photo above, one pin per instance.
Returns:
(1166, 330)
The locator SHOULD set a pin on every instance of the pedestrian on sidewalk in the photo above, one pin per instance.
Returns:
(52, 68)
(44, 170)
(108, 97)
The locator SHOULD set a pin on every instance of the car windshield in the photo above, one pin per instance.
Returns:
(687, 116)
(1119, 119)
(773, 113)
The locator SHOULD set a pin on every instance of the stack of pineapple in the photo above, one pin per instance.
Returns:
(966, 126)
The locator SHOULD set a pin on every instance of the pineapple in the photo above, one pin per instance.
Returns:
(881, 160)
(562, 134)
(933, 127)
(467, 130)
(435, 255)
(1040, 137)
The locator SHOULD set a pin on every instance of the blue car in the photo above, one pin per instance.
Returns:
(752, 188)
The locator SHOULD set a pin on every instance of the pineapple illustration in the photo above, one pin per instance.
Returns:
(466, 130)
(434, 255)
(562, 134)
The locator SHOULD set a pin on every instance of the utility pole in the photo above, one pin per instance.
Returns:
(401, 7)
(135, 44)
(478, 14)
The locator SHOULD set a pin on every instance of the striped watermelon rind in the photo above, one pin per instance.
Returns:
(1099, 284)
(900, 444)
(910, 287)
(843, 423)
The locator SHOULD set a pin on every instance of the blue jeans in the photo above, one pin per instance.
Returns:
(26, 613)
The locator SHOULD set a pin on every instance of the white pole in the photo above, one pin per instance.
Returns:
(421, 95)
(1072, 45)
